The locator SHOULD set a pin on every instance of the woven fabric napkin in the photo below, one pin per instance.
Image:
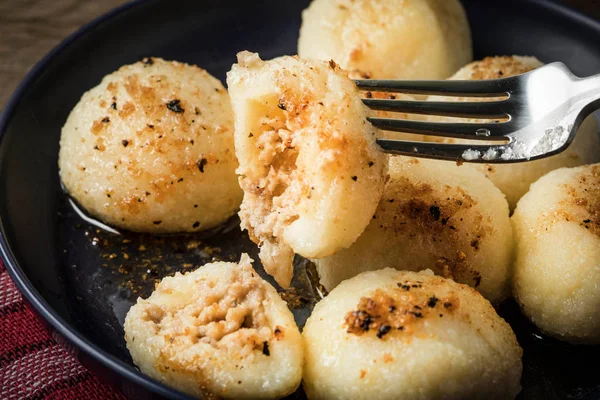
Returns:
(32, 364)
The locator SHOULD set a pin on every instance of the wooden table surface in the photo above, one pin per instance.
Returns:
(30, 28)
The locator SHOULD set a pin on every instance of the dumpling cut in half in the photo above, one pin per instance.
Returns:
(405, 335)
(310, 169)
(218, 331)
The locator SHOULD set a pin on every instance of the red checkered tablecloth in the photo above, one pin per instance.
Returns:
(32, 364)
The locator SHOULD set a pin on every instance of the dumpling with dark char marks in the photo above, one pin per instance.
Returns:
(404, 335)
(433, 215)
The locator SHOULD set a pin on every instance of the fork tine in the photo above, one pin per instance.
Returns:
(483, 110)
(474, 131)
(481, 88)
(440, 151)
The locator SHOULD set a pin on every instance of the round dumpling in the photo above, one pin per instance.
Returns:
(310, 168)
(218, 331)
(404, 335)
(557, 268)
(433, 215)
(150, 149)
(388, 39)
(514, 179)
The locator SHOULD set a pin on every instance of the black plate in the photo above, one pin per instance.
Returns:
(80, 280)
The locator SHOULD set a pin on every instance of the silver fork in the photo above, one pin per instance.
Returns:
(537, 116)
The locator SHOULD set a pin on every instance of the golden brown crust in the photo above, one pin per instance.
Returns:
(399, 310)
(416, 210)
(498, 67)
(582, 202)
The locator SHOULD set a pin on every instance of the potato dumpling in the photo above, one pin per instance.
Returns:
(310, 169)
(218, 331)
(433, 215)
(514, 179)
(150, 149)
(404, 335)
(557, 269)
(388, 39)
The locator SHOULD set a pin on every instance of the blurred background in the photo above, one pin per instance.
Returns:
(30, 28)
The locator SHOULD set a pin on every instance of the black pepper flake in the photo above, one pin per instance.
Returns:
(195, 205)
(477, 280)
(400, 328)
(105, 120)
(281, 106)
(201, 164)
(321, 103)
(417, 314)
(445, 221)
(175, 106)
(475, 244)
(157, 222)
(355, 178)
(147, 61)
(369, 95)
(265, 350)
(180, 180)
(251, 134)
(332, 64)
(113, 106)
(124, 142)
(392, 308)
(197, 111)
(371, 163)
(432, 302)
(196, 224)
(403, 286)
(435, 211)
(383, 330)
(147, 193)
(150, 126)
(390, 200)
(392, 97)
(447, 304)
(108, 195)
(192, 141)
(417, 307)
(587, 221)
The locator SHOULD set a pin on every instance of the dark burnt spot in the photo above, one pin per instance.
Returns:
(196, 224)
(281, 106)
(113, 106)
(175, 106)
(105, 120)
(125, 142)
(355, 178)
(157, 222)
(435, 212)
(265, 349)
(201, 164)
(383, 330)
(371, 163)
(432, 302)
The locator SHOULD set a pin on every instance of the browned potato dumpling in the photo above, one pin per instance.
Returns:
(150, 149)
(557, 269)
(310, 169)
(388, 334)
(433, 215)
(514, 179)
(217, 332)
(388, 39)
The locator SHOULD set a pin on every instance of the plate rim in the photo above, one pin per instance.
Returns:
(17, 274)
